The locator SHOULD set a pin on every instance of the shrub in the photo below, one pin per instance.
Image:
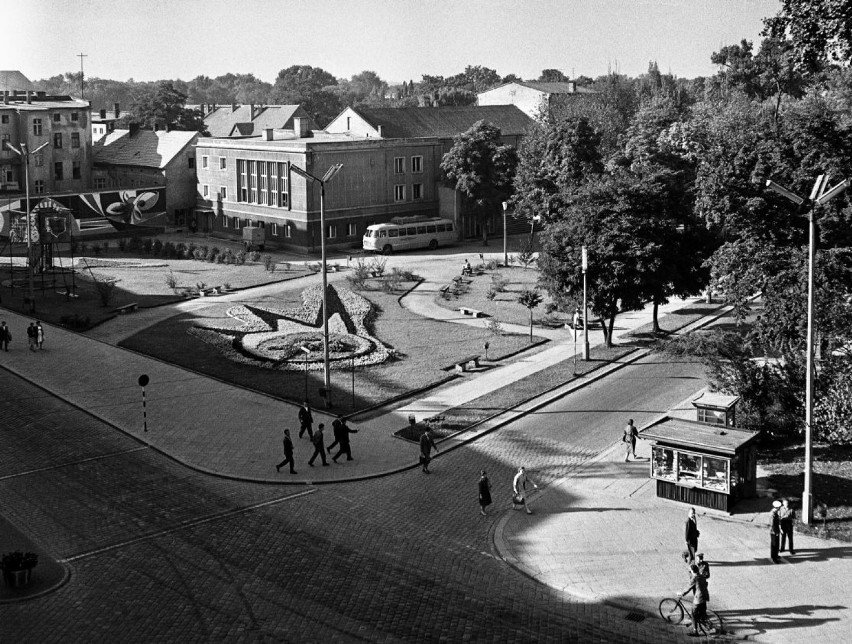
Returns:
(494, 326)
(170, 250)
(96, 250)
(490, 294)
(147, 244)
(211, 254)
(255, 256)
(200, 253)
(189, 251)
(134, 245)
(240, 258)
(171, 281)
(491, 264)
(75, 322)
(105, 286)
(122, 244)
(377, 266)
(226, 286)
(157, 248)
(228, 256)
(220, 258)
(268, 262)
(499, 283)
(526, 256)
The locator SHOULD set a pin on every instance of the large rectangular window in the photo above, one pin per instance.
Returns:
(252, 175)
(38, 159)
(417, 164)
(242, 180)
(100, 183)
(283, 187)
(398, 165)
(57, 171)
(399, 193)
(275, 230)
(417, 191)
(57, 140)
(4, 142)
(75, 139)
(36, 127)
(223, 193)
(203, 162)
(75, 169)
(39, 186)
(262, 182)
(331, 231)
(223, 163)
(205, 190)
(353, 230)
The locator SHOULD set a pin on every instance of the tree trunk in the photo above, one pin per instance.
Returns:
(609, 342)
(484, 235)
(531, 320)
(603, 328)
(656, 321)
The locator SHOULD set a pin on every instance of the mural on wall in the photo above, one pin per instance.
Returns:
(119, 209)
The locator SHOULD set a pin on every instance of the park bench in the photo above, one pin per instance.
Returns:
(127, 308)
(461, 365)
(464, 310)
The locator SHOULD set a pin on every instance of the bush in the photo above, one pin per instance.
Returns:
(105, 286)
(490, 294)
(75, 322)
(122, 244)
(377, 266)
(268, 262)
(211, 254)
(494, 326)
(228, 256)
(189, 251)
(200, 253)
(96, 250)
(147, 244)
(499, 283)
(134, 245)
(171, 281)
(286, 265)
(240, 258)
(491, 265)
(255, 256)
(526, 256)
(157, 248)
(170, 250)
(220, 258)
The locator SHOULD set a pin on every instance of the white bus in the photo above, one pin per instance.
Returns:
(402, 235)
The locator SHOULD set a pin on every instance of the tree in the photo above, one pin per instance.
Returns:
(481, 168)
(530, 298)
(164, 107)
(820, 30)
(553, 76)
(311, 87)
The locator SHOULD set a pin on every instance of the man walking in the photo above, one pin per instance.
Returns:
(786, 517)
(774, 531)
(519, 489)
(629, 438)
(31, 336)
(288, 453)
(341, 437)
(691, 534)
(319, 445)
(427, 444)
(306, 420)
(5, 336)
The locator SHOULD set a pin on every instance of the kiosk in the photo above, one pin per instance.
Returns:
(707, 462)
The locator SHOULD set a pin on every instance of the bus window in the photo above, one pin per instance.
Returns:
(449, 228)
(431, 229)
(412, 230)
(421, 230)
(393, 232)
(441, 228)
(383, 233)
(402, 232)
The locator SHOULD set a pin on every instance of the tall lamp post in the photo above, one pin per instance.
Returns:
(585, 260)
(24, 153)
(819, 196)
(328, 176)
(505, 236)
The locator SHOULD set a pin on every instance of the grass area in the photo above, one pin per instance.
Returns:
(504, 306)
(426, 347)
(832, 484)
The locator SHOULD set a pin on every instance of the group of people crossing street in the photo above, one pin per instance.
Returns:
(35, 336)
(340, 431)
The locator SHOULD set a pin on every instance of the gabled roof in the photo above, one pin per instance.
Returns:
(443, 122)
(144, 148)
(222, 121)
(548, 88)
(11, 80)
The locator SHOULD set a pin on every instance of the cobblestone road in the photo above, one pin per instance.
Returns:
(159, 553)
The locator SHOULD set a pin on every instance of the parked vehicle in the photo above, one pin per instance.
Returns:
(404, 233)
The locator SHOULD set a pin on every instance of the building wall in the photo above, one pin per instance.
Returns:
(526, 99)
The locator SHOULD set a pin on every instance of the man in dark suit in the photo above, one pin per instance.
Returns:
(691, 534)
(288, 453)
(306, 421)
(5, 336)
(341, 437)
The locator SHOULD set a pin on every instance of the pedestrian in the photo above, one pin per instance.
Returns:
(288, 454)
(519, 485)
(5, 336)
(319, 445)
(306, 420)
(484, 492)
(698, 586)
(39, 335)
(786, 518)
(774, 531)
(335, 431)
(341, 437)
(31, 336)
(629, 439)
(691, 534)
(703, 566)
(427, 444)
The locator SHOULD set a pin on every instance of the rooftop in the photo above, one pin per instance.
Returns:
(142, 148)
(692, 434)
(223, 120)
(443, 122)
(11, 79)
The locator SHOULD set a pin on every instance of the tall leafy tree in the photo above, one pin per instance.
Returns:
(311, 87)
(164, 107)
(481, 168)
(821, 31)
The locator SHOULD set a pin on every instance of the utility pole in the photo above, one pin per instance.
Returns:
(81, 57)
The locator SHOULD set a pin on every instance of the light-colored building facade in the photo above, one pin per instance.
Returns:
(103, 121)
(531, 97)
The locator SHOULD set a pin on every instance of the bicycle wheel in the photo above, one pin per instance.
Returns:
(671, 610)
(712, 624)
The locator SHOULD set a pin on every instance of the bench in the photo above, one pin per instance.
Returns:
(127, 308)
(464, 310)
(461, 365)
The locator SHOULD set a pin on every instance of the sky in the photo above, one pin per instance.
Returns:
(398, 39)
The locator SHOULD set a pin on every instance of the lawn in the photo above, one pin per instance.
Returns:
(504, 306)
(426, 349)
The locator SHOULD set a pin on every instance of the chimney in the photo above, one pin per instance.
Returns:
(268, 134)
(572, 87)
(117, 108)
(300, 126)
(380, 130)
(103, 114)
(29, 97)
(5, 97)
(134, 128)
(251, 111)
(233, 107)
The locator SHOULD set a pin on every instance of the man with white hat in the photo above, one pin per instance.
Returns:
(774, 531)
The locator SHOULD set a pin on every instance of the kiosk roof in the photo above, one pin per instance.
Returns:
(692, 434)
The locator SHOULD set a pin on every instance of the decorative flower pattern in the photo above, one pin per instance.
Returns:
(132, 207)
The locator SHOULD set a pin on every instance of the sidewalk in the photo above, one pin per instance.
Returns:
(602, 534)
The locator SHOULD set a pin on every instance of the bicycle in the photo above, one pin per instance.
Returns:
(673, 610)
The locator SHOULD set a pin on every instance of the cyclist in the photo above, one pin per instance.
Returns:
(698, 586)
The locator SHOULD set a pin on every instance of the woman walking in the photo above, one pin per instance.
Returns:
(519, 484)
(484, 493)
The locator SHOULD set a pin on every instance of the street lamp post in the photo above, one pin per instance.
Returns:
(329, 174)
(505, 235)
(24, 153)
(819, 196)
(307, 353)
(585, 306)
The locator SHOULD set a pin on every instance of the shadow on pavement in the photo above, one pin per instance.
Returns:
(47, 576)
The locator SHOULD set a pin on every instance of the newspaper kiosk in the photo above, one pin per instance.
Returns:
(707, 462)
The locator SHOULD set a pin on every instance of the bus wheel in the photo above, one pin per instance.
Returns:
(433, 244)
(387, 250)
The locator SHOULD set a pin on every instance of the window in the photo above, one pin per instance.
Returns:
(688, 468)
(223, 163)
(4, 142)
(205, 190)
(75, 139)
(393, 232)
(275, 230)
(242, 180)
(282, 185)
(715, 474)
(39, 186)
(398, 165)
(331, 231)
(4, 119)
(711, 416)
(399, 193)
(252, 175)
(288, 230)
(417, 191)
(75, 117)
(190, 161)
(203, 162)
(75, 169)
(353, 230)
(223, 193)
(57, 171)
(36, 127)
(224, 221)
(411, 231)
(57, 140)
(57, 117)
(100, 183)
(663, 466)
(236, 222)
(417, 164)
